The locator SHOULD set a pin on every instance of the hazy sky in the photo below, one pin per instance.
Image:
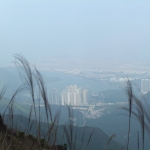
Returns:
(75, 29)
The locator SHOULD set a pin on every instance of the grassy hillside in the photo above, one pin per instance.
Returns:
(26, 133)
(80, 134)
(32, 133)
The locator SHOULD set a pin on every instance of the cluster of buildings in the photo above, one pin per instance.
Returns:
(71, 95)
(145, 86)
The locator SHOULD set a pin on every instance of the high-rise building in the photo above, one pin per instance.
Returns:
(54, 97)
(75, 96)
(84, 96)
(62, 98)
(79, 96)
(69, 95)
(145, 85)
(88, 94)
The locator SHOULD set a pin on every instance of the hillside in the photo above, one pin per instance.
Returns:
(80, 134)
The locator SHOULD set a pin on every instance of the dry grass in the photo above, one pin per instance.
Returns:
(138, 109)
(33, 84)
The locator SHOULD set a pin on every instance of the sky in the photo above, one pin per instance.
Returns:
(87, 30)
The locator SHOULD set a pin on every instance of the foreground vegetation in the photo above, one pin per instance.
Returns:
(37, 135)
(33, 133)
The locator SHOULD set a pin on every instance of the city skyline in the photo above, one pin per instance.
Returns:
(71, 95)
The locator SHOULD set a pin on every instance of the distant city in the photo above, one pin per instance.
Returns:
(78, 96)
(71, 95)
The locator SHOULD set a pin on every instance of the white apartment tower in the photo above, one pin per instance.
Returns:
(145, 85)
(84, 96)
(54, 97)
(74, 96)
